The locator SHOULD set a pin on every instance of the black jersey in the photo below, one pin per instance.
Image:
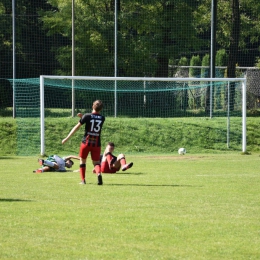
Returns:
(93, 126)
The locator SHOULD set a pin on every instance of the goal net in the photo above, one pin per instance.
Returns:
(187, 100)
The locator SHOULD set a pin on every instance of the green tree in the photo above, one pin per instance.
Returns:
(257, 64)
(175, 32)
(221, 61)
(31, 46)
(5, 38)
(237, 29)
(205, 96)
(184, 101)
(205, 66)
(249, 23)
(194, 71)
(150, 33)
(233, 49)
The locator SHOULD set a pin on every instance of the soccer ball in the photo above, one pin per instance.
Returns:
(182, 151)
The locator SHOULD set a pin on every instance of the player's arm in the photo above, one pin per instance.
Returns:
(56, 166)
(72, 157)
(80, 115)
(108, 156)
(74, 130)
(45, 169)
(106, 150)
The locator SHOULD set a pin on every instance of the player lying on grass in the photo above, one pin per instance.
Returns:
(56, 163)
(111, 163)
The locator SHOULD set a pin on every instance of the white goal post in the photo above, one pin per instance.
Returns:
(115, 81)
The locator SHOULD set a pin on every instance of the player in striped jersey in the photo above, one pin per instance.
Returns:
(91, 142)
(111, 163)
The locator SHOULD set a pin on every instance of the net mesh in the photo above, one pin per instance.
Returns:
(151, 37)
(143, 98)
(154, 39)
(132, 99)
(27, 110)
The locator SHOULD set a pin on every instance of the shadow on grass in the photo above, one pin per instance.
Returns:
(124, 173)
(13, 200)
(6, 157)
(149, 185)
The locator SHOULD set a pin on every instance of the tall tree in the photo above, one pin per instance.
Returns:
(238, 30)
(31, 46)
(249, 29)
(5, 39)
(149, 34)
(174, 32)
(233, 49)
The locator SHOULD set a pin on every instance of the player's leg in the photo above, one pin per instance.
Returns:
(95, 156)
(51, 164)
(122, 162)
(105, 168)
(97, 168)
(43, 169)
(83, 154)
(100, 160)
(107, 163)
(110, 158)
(82, 170)
(117, 162)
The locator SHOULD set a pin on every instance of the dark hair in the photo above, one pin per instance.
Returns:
(111, 144)
(70, 162)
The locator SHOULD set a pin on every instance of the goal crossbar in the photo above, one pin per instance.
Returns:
(142, 78)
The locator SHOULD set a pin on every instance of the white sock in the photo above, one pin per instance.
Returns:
(48, 163)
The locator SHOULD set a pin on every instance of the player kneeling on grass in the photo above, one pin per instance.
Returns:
(56, 163)
(111, 163)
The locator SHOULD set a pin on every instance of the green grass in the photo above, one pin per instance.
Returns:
(166, 207)
(132, 135)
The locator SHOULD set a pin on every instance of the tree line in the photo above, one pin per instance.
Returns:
(151, 35)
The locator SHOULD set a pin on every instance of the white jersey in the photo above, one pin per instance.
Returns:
(61, 163)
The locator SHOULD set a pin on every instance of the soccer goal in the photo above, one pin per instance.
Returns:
(130, 97)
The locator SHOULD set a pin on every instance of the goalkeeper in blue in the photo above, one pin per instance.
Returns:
(56, 163)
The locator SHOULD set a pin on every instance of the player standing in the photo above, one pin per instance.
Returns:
(91, 141)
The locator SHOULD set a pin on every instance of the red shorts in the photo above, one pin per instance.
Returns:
(105, 168)
(85, 149)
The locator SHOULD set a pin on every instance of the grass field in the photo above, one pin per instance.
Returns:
(131, 135)
(197, 206)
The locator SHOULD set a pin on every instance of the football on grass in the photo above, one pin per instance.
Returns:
(182, 151)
